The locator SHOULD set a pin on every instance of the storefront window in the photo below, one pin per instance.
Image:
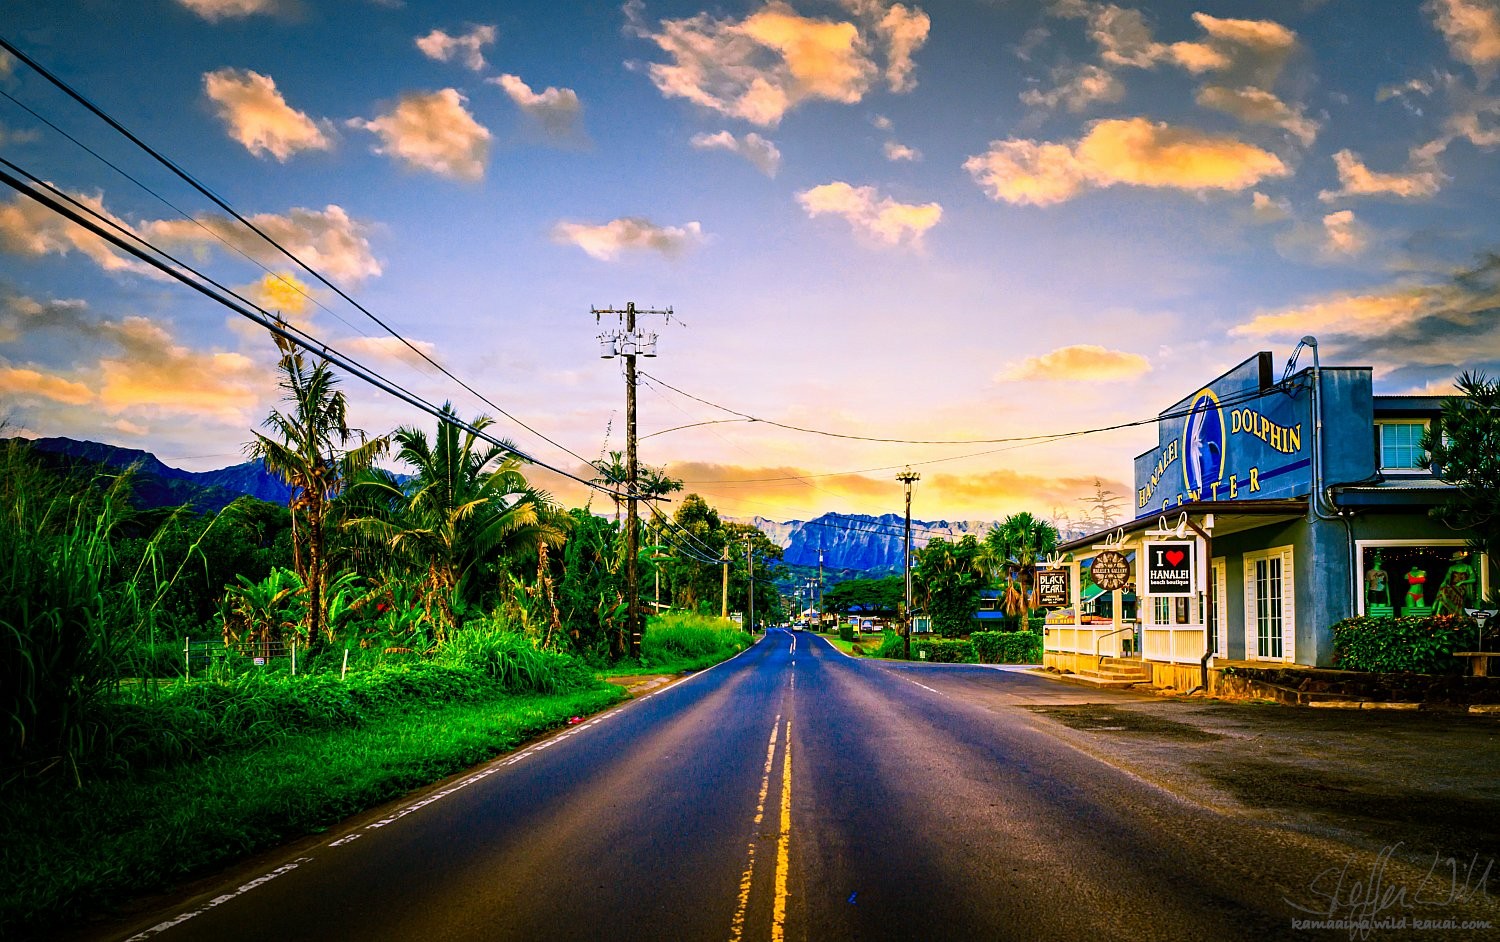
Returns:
(1419, 580)
(1400, 445)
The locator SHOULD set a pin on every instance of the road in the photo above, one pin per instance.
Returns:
(796, 793)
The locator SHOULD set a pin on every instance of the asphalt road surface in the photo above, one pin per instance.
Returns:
(796, 793)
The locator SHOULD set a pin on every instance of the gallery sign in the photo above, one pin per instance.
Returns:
(1052, 590)
(1110, 570)
(1170, 569)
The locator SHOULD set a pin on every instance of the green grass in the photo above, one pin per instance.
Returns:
(677, 642)
(65, 854)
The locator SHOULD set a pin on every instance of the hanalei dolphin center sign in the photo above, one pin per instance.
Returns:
(1241, 437)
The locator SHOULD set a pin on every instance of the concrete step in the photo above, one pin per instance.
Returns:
(1096, 679)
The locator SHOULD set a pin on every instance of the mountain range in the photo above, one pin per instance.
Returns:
(858, 542)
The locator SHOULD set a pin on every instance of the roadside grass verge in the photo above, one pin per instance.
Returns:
(677, 642)
(65, 854)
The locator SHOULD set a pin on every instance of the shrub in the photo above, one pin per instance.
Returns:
(674, 638)
(1391, 643)
(513, 661)
(892, 645)
(846, 631)
(945, 651)
(1007, 647)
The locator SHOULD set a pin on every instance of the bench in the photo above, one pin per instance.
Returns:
(1480, 665)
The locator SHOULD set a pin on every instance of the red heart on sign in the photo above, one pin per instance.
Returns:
(1175, 557)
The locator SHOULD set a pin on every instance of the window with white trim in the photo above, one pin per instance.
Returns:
(1399, 445)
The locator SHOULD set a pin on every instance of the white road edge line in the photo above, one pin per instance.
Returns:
(219, 900)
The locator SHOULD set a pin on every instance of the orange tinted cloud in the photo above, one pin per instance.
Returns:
(259, 117)
(23, 383)
(1132, 151)
(467, 48)
(1472, 29)
(607, 241)
(1421, 179)
(879, 217)
(1079, 363)
(432, 131)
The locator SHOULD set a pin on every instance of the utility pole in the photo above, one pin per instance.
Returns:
(724, 596)
(820, 584)
(629, 343)
(907, 478)
(750, 591)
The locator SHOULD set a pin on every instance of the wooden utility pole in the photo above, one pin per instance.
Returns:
(907, 478)
(724, 596)
(628, 343)
(750, 590)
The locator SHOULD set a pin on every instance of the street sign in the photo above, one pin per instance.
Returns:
(1169, 568)
(1110, 571)
(1052, 590)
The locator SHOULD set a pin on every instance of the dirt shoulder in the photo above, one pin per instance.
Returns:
(1427, 780)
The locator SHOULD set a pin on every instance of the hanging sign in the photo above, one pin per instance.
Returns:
(1110, 571)
(1052, 590)
(1169, 568)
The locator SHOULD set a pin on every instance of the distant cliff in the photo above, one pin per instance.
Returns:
(859, 541)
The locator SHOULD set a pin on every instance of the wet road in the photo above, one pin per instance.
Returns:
(796, 793)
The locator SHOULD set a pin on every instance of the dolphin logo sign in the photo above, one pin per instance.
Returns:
(1203, 445)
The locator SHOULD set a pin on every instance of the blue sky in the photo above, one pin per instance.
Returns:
(898, 220)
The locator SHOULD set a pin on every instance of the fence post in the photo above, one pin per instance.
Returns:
(345, 669)
(294, 657)
(187, 658)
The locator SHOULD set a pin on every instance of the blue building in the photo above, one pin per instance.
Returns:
(1269, 509)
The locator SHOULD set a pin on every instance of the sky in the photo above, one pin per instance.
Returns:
(956, 221)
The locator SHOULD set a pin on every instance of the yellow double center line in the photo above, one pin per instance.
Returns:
(783, 840)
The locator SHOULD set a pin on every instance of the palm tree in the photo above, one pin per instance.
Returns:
(311, 453)
(468, 505)
(1022, 540)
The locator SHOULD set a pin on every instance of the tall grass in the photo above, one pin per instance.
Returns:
(685, 641)
(513, 660)
(58, 609)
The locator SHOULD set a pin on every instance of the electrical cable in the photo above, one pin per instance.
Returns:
(955, 441)
(224, 205)
(246, 309)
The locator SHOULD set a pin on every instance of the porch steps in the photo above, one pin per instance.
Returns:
(1115, 672)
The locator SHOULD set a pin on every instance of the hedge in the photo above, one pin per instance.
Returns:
(1392, 643)
(1007, 647)
(944, 651)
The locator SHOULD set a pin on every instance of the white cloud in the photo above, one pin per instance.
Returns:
(555, 109)
(1472, 30)
(759, 68)
(1420, 180)
(1132, 151)
(1078, 363)
(29, 229)
(22, 383)
(391, 348)
(433, 131)
(1076, 90)
(1265, 209)
(467, 48)
(1258, 106)
(215, 10)
(880, 218)
(259, 117)
(328, 240)
(607, 241)
(895, 150)
(1343, 234)
(761, 153)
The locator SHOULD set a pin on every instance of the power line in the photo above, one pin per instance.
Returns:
(58, 202)
(224, 205)
(1051, 436)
